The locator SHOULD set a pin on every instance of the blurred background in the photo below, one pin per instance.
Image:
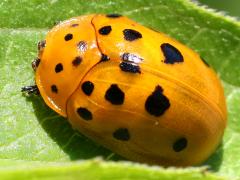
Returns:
(230, 7)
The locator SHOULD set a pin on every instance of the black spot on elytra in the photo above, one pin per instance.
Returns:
(105, 30)
(104, 57)
(131, 35)
(87, 87)
(84, 113)
(113, 15)
(68, 37)
(58, 67)
(121, 134)
(129, 67)
(77, 61)
(54, 88)
(180, 144)
(205, 62)
(114, 95)
(74, 25)
(172, 55)
(131, 58)
(157, 103)
(82, 46)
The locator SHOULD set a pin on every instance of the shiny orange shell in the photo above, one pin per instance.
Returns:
(137, 92)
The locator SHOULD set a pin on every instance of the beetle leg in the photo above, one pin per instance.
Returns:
(35, 63)
(29, 90)
(41, 45)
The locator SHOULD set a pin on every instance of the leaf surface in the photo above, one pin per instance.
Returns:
(30, 131)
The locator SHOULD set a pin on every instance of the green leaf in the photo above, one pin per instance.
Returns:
(30, 131)
(228, 7)
(98, 169)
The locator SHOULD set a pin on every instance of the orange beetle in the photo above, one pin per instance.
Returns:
(137, 92)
